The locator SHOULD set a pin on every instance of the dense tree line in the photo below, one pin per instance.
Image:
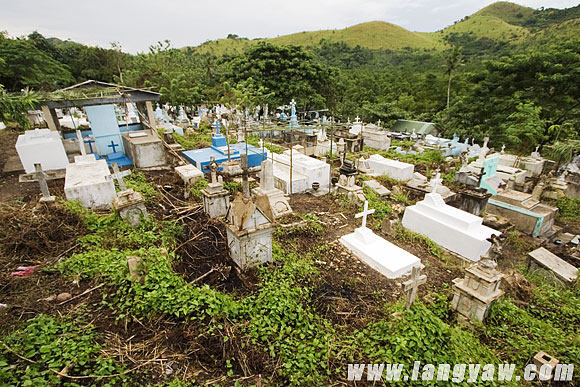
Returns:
(519, 95)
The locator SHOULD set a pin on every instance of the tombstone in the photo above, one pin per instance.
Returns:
(473, 201)
(552, 267)
(394, 169)
(410, 286)
(378, 188)
(458, 231)
(474, 294)
(249, 234)
(381, 255)
(304, 172)
(484, 149)
(189, 174)
(488, 180)
(107, 134)
(41, 177)
(89, 181)
(293, 119)
(363, 166)
(216, 199)
(346, 185)
(269, 199)
(42, 146)
(131, 206)
(145, 149)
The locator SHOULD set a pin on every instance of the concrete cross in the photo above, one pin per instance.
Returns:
(113, 145)
(119, 177)
(436, 181)
(213, 167)
(41, 177)
(410, 287)
(503, 148)
(245, 181)
(364, 214)
(357, 120)
(217, 127)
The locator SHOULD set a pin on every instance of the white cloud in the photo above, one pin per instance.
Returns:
(139, 24)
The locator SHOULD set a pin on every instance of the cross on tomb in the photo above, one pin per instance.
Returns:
(41, 177)
(213, 167)
(90, 142)
(217, 126)
(245, 181)
(436, 181)
(119, 177)
(357, 120)
(113, 145)
(81, 142)
(364, 214)
(410, 286)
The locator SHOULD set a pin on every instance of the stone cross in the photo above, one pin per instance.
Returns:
(119, 177)
(213, 167)
(357, 120)
(436, 181)
(41, 177)
(364, 214)
(217, 127)
(485, 141)
(410, 287)
(293, 107)
(503, 148)
(81, 142)
(260, 143)
(379, 123)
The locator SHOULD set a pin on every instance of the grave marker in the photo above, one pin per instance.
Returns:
(410, 287)
(41, 177)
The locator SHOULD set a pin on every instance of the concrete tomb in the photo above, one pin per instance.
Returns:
(305, 171)
(526, 213)
(346, 185)
(131, 206)
(189, 174)
(268, 198)
(249, 234)
(144, 148)
(381, 255)
(456, 230)
(41, 146)
(475, 293)
(89, 181)
(394, 169)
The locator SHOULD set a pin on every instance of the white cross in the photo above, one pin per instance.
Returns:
(364, 214)
(410, 286)
(357, 119)
(436, 181)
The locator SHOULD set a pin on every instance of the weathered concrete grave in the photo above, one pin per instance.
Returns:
(89, 181)
(216, 199)
(268, 198)
(144, 148)
(551, 266)
(392, 168)
(189, 174)
(41, 146)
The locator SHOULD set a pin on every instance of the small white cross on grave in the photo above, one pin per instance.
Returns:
(436, 181)
(357, 120)
(503, 148)
(364, 214)
(41, 177)
(260, 143)
(118, 175)
(410, 286)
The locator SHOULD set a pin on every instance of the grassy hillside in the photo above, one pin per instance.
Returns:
(490, 27)
(501, 22)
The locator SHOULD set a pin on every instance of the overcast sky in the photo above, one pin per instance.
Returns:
(139, 24)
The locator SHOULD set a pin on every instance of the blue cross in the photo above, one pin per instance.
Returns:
(113, 145)
(217, 126)
(90, 142)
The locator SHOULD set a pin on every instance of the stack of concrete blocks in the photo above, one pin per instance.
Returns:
(41, 146)
(131, 206)
(89, 181)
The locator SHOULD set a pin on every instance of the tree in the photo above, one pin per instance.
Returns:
(285, 72)
(524, 127)
(453, 61)
(13, 107)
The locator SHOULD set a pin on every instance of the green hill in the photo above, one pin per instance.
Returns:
(501, 22)
(567, 30)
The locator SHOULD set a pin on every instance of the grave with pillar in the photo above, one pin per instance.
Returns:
(89, 181)
(458, 231)
(269, 199)
(216, 199)
(381, 255)
(475, 293)
(41, 146)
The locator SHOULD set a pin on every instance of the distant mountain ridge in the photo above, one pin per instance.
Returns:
(502, 21)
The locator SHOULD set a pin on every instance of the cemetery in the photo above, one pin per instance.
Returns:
(226, 233)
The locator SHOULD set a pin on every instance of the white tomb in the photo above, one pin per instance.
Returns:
(89, 181)
(383, 256)
(392, 168)
(305, 171)
(41, 146)
(456, 230)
